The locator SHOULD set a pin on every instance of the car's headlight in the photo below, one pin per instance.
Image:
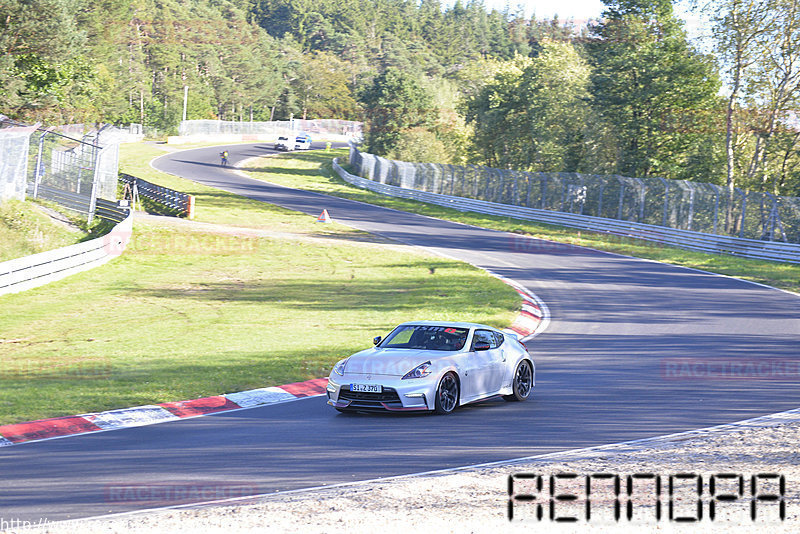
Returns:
(339, 367)
(419, 371)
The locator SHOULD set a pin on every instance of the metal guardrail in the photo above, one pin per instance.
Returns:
(105, 209)
(39, 269)
(748, 248)
(181, 203)
(74, 201)
(111, 211)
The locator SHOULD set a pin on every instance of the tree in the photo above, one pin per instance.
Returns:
(322, 90)
(555, 89)
(532, 116)
(775, 86)
(651, 89)
(494, 110)
(393, 103)
(43, 74)
(739, 25)
(758, 43)
(419, 145)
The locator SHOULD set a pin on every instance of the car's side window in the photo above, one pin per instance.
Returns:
(499, 338)
(484, 336)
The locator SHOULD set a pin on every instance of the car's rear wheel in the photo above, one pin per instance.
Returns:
(447, 394)
(522, 383)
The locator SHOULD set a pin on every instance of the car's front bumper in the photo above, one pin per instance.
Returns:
(397, 395)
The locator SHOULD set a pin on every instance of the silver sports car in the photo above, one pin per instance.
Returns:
(437, 366)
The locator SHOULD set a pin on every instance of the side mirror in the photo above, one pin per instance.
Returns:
(481, 345)
(376, 340)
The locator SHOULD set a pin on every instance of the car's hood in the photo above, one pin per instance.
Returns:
(391, 362)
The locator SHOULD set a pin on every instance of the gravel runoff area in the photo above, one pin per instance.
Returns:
(476, 499)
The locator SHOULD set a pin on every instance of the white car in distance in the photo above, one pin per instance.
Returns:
(299, 142)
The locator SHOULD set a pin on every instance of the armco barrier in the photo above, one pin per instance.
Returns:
(748, 248)
(74, 201)
(181, 203)
(39, 269)
(110, 211)
(680, 204)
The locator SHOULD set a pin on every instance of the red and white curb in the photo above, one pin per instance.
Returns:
(531, 320)
(58, 427)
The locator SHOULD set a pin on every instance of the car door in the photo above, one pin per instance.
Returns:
(500, 365)
(484, 367)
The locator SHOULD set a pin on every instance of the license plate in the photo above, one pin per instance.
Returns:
(366, 388)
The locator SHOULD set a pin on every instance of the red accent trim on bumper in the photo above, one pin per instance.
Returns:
(404, 409)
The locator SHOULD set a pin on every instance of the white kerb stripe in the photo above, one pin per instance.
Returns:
(129, 417)
(257, 397)
(532, 309)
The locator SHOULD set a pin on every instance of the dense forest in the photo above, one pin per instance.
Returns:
(627, 94)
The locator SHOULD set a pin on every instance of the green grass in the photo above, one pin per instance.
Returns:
(187, 312)
(300, 171)
(215, 205)
(25, 229)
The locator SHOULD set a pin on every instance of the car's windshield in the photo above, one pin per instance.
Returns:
(426, 338)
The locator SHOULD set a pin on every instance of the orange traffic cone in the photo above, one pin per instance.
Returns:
(324, 217)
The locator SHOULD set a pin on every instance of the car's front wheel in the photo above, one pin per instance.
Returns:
(447, 394)
(522, 383)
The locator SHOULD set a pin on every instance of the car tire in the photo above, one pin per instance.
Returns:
(522, 384)
(447, 394)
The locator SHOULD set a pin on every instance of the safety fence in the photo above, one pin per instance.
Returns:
(337, 127)
(39, 269)
(178, 203)
(68, 199)
(749, 248)
(14, 148)
(60, 164)
(679, 204)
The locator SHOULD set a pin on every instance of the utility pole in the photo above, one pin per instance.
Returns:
(185, 99)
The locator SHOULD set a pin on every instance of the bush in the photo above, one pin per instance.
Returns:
(419, 145)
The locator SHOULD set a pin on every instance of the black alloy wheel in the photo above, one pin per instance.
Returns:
(523, 382)
(447, 394)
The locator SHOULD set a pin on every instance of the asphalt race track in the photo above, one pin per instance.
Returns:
(605, 368)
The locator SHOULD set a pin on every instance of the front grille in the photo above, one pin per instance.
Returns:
(374, 401)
